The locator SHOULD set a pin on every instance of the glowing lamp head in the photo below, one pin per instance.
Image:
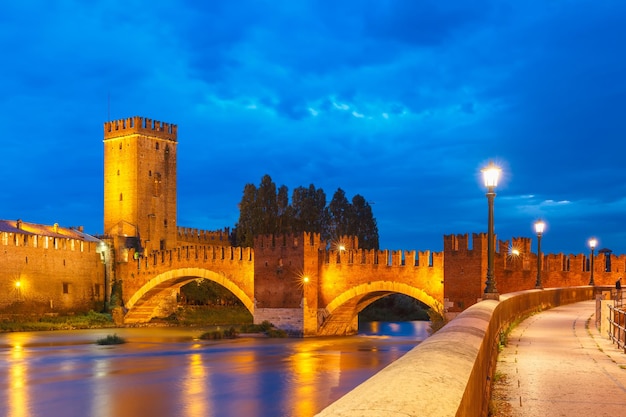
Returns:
(18, 284)
(540, 226)
(491, 174)
(593, 242)
(342, 247)
(305, 280)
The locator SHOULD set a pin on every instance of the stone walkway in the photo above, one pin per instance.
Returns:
(557, 364)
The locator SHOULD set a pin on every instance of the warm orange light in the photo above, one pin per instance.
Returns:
(491, 174)
(18, 284)
(305, 279)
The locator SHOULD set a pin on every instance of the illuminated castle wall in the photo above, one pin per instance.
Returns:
(140, 183)
(515, 268)
(63, 269)
(48, 269)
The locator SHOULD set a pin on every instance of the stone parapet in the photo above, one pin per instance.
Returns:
(450, 373)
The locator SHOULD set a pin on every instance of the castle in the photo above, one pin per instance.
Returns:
(55, 269)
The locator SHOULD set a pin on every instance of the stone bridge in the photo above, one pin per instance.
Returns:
(293, 281)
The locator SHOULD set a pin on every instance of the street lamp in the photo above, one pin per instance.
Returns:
(592, 244)
(490, 176)
(539, 228)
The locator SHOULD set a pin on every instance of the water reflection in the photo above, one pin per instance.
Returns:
(168, 372)
(99, 393)
(18, 393)
(194, 393)
(305, 366)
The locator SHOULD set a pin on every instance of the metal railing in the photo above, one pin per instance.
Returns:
(617, 320)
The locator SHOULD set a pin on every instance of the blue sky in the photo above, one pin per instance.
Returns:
(402, 102)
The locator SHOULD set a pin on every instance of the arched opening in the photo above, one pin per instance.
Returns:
(161, 294)
(395, 307)
(205, 302)
(341, 315)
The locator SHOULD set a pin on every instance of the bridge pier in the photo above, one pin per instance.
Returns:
(301, 321)
(289, 319)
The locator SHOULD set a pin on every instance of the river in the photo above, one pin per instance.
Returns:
(167, 372)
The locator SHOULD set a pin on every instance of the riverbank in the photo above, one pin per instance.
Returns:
(25, 323)
(237, 316)
(211, 317)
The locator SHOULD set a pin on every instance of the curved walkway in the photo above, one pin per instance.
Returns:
(556, 363)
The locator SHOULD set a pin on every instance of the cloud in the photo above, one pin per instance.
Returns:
(402, 102)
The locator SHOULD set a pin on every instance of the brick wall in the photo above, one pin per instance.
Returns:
(67, 276)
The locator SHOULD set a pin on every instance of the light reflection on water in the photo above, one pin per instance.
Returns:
(165, 372)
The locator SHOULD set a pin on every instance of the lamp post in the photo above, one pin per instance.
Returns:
(539, 228)
(490, 176)
(592, 244)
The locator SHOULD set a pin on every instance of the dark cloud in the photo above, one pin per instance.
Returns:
(400, 101)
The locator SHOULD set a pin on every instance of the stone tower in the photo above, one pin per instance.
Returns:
(140, 184)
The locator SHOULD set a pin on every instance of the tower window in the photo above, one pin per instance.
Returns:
(165, 223)
(157, 146)
(120, 146)
(121, 197)
(66, 288)
(157, 185)
(150, 173)
(118, 172)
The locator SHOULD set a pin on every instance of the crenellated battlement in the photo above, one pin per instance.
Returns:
(193, 235)
(140, 125)
(520, 244)
(38, 236)
(422, 259)
(345, 242)
(299, 240)
(185, 253)
(459, 244)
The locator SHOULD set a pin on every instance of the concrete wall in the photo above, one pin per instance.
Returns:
(449, 374)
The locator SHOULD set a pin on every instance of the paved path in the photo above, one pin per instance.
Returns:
(557, 364)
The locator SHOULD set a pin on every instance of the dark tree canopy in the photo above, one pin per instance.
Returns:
(267, 210)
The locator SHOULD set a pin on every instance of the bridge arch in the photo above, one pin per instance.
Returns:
(176, 278)
(340, 315)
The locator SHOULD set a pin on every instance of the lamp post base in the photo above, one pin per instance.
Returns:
(491, 296)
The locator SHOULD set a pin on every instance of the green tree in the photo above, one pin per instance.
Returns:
(266, 210)
(267, 206)
(248, 226)
(363, 223)
(340, 215)
(308, 210)
(284, 214)
(207, 292)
